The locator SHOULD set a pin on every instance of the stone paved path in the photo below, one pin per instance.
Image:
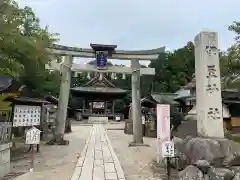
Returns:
(54, 162)
(98, 160)
(138, 163)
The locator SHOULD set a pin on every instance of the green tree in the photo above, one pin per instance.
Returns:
(173, 69)
(9, 39)
(231, 62)
(23, 48)
(234, 50)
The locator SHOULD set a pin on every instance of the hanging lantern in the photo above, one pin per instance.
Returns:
(88, 76)
(115, 76)
(112, 76)
(75, 74)
(100, 76)
(124, 76)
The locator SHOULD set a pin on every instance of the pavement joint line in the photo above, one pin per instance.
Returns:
(84, 151)
(78, 168)
(117, 164)
(87, 168)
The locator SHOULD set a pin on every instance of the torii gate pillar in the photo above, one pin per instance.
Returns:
(136, 105)
(63, 97)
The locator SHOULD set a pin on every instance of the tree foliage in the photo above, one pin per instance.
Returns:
(23, 55)
(231, 62)
(173, 69)
(23, 52)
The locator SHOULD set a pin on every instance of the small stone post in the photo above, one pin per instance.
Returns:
(208, 85)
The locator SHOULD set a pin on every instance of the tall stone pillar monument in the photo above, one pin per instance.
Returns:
(208, 85)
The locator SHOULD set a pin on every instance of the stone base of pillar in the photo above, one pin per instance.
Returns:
(134, 144)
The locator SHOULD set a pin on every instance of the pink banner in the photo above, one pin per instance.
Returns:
(163, 122)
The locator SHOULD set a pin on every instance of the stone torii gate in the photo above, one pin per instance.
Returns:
(67, 66)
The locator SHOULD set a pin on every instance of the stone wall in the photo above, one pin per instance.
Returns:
(5, 167)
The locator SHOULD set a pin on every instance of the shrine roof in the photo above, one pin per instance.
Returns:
(97, 81)
(99, 85)
(167, 98)
(26, 100)
(103, 90)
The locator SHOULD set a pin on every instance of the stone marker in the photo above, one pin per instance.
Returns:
(208, 85)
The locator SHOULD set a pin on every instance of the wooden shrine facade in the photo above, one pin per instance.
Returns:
(97, 97)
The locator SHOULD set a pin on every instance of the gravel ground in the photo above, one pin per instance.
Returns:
(55, 162)
(138, 163)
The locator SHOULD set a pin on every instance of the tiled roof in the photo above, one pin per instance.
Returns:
(96, 80)
(27, 100)
(100, 85)
(165, 98)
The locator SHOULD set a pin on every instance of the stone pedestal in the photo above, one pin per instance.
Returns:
(128, 129)
(149, 132)
(96, 120)
(5, 159)
(208, 86)
(79, 116)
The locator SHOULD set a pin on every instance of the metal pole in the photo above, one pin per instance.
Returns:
(63, 97)
(136, 104)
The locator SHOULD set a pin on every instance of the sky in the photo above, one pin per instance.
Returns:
(135, 24)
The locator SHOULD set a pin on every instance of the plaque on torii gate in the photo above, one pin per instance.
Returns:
(102, 53)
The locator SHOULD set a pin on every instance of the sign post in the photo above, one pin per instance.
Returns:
(165, 145)
(163, 130)
(32, 138)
